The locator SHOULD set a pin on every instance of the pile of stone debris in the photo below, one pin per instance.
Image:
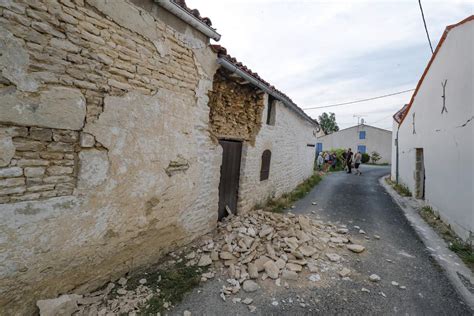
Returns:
(246, 248)
(262, 245)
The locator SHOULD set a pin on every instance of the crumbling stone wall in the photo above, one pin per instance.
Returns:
(97, 101)
(43, 165)
(236, 108)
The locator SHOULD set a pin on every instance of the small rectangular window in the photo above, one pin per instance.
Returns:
(362, 135)
(362, 149)
(271, 108)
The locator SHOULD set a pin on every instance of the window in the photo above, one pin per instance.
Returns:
(271, 109)
(361, 149)
(265, 169)
(362, 135)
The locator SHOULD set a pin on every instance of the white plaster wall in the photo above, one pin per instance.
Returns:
(393, 171)
(446, 139)
(292, 161)
(376, 139)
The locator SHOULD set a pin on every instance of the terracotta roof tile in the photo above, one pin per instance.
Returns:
(194, 12)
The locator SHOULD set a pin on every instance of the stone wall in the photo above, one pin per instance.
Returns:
(104, 123)
(292, 160)
(43, 164)
(236, 109)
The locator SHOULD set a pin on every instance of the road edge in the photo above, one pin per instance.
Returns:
(438, 248)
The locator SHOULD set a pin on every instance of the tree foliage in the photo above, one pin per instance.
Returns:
(375, 156)
(328, 123)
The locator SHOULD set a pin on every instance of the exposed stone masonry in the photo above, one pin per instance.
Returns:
(71, 44)
(236, 109)
(43, 164)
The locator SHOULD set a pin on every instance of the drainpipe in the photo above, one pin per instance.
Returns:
(231, 67)
(396, 142)
(187, 17)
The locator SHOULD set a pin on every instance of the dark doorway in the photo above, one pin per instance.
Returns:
(420, 176)
(230, 171)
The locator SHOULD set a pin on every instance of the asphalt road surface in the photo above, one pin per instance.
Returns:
(398, 256)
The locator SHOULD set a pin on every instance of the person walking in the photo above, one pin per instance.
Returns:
(333, 161)
(320, 161)
(357, 161)
(349, 160)
(326, 161)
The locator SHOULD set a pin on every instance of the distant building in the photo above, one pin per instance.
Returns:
(433, 134)
(363, 138)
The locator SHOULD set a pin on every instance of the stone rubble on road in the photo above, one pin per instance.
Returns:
(248, 248)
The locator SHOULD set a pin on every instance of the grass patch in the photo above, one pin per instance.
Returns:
(400, 188)
(461, 248)
(173, 281)
(286, 200)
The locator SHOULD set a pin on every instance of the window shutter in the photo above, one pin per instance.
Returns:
(265, 169)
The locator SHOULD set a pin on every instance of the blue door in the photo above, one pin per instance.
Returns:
(361, 149)
(319, 147)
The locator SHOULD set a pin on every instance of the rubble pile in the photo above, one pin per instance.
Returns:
(244, 249)
(262, 245)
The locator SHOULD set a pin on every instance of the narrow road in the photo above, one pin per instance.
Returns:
(361, 201)
(398, 256)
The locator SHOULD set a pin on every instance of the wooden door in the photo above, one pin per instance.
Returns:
(420, 174)
(230, 172)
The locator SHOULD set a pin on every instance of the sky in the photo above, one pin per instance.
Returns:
(326, 52)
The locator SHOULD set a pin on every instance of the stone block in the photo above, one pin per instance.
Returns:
(87, 140)
(24, 144)
(43, 134)
(14, 131)
(7, 149)
(13, 190)
(60, 147)
(11, 182)
(40, 187)
(50, 155)
(11, 172)
(25, 197)
(59, 170)
(58, 107)
(32, 162)
(58, 179)
(65, 136)
(33, 172)
(93, 168)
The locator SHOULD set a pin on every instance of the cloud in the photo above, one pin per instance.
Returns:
(323, 52)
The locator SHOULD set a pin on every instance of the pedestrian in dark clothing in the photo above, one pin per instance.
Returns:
(333, 161)
(349, 160)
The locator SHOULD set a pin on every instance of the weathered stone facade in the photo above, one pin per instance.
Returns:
(108, 151)
(235, 108)
(90, 92)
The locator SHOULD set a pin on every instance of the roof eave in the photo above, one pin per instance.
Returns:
(190, 19)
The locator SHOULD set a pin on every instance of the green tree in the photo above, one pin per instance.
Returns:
(375, 157)
(328, 123)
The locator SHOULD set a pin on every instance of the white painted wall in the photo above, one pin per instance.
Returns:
(447, 143)
(291, 163)
(393, 171)
(376, 139)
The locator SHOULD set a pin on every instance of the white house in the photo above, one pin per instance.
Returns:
(363, 138)
(435, 132)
